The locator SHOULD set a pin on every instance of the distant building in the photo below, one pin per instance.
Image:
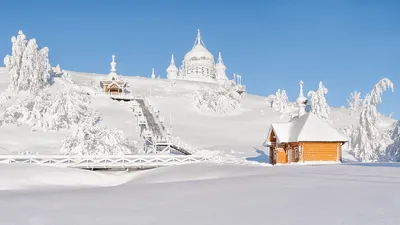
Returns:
(198, 65)
(112, 84)
(306, 138)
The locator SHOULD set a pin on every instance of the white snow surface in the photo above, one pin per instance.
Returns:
(217, 194)
(35, 178)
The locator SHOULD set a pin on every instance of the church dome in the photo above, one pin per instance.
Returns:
(199, 52)
(198, 63)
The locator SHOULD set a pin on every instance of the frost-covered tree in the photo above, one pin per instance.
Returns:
(13, 63)
(355, 103)
(393, 150)
(4, 96)
(270, 99)
(97, 140)
(280, 101)
(319, 105)
(369, 143)
(28, 66)
(224, 99)
(51, 111)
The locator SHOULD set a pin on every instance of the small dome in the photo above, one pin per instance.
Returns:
(301, 100)
(220, 66)
(172, 69)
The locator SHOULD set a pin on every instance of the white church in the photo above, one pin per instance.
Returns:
(198, 65)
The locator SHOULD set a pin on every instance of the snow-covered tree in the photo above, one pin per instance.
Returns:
(4, 96)
(280, 101)
(28, 67)
(393, 150)
(319, 105)
(51, 111)
(369, 143)
(13, 62)
(355, 103)
(270, 99)
(97, 140)
(224, 99)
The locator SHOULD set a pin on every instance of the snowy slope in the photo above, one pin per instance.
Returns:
(241, 133)
(34, 178)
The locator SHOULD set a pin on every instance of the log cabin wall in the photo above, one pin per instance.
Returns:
(321, 151)
(271, 155)
(339, 152)
(272, 138)
(294, 146)
(281, 156)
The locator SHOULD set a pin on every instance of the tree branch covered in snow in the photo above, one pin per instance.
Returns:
(4, 96)
(225, 99)
(51, 111)
(97, 140)
(319, 105)
(378, 89)
(28, 66)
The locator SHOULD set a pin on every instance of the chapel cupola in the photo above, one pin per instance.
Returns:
(220, 69)
(172, 70)
(301, 100)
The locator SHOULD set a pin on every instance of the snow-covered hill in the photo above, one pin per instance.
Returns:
(45, 110)
(240, 133)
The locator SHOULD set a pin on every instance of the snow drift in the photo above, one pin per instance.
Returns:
(35, 177)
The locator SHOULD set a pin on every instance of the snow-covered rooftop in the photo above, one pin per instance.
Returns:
(307, 128)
